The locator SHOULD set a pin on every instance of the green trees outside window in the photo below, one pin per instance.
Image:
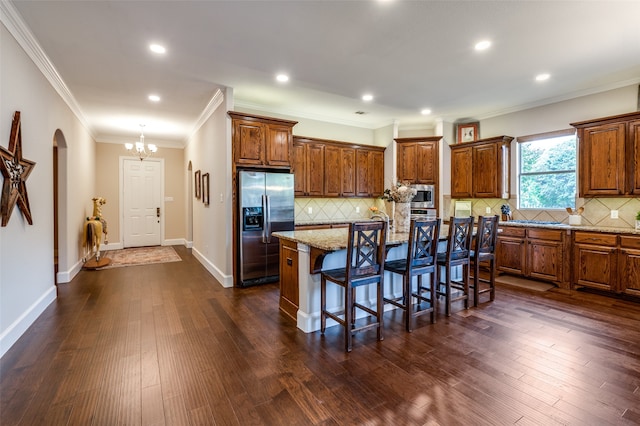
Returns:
(548, 173)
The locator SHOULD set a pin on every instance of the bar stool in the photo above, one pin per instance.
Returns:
(457, 254)
(421, 259)
(364, 266)
(485, 249)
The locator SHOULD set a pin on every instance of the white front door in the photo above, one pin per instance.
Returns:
(142, 203)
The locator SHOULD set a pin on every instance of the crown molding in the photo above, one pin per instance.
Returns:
(212, 106)
(12, 20)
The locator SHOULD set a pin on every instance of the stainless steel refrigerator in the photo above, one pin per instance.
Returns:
(266, 205)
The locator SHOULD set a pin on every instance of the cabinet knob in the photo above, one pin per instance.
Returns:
(289, 261)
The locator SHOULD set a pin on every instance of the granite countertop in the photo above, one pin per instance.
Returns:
(603, 229)
(336, 239)
(330, 221)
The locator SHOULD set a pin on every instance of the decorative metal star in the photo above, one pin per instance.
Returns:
(15, 170)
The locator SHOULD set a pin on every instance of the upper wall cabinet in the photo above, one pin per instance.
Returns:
(418, 159)
(609, 156)
(325, 168)
(480, 169)
(261, 141)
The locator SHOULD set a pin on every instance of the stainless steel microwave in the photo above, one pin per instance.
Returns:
(425, 197)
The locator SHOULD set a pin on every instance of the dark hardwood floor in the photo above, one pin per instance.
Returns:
(166, 344)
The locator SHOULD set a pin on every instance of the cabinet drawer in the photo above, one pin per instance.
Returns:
(595, 238)
(546, 234)
(630, 242)
(509, 231)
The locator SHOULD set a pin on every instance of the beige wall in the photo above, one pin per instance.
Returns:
(27, 277)
(108, 157)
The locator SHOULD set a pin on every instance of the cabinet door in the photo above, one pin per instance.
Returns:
(299, 167)
(289, 289)
(315, 165)
(250, 141)
(510, 255)
(376, 173)
(485, 171)
(629, 280)
(634, 138)
(279, 141)
(427, 163)
(348, 170)
(602, 160)
(407, 156)
(595, 266)
(461, 172)
(362, 173)
(333, 171)
(544, 260)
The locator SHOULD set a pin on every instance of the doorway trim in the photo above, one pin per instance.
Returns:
(122, 158)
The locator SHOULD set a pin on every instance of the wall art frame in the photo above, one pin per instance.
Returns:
(205, 189)
(468, 132)
(197, 185)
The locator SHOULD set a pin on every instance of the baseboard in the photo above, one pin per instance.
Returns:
(66, 276)
(11, 335)
(225, 280)
(174, 242)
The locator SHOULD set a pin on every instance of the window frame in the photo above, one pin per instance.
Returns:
(541, 136)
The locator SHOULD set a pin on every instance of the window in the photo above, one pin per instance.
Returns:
(547, 170)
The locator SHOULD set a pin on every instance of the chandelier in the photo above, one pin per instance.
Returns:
(139, 148)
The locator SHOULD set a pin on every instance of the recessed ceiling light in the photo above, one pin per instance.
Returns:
(156, 48)
(282, 78)
(154, 98)
(367, 97)
(543, 77)
(425, 111)
(483, 45)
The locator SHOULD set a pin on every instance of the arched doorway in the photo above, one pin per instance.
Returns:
(59, 200)
(190, 184)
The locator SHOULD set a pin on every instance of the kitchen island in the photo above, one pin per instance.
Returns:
(303, 254)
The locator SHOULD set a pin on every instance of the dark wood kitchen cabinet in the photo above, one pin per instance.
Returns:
(629, 265)
(510, 250)
(341, 169)
(418, 159)
(308, 164)
(595, 256)
(480, 169)
(369, 172)
(609, 156)
(261, 141)
(289, 288)
(537, 253)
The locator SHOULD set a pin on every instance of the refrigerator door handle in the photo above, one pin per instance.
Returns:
(267, 219)
(264, 219)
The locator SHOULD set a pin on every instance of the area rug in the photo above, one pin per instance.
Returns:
(524, 283)
(141, 256)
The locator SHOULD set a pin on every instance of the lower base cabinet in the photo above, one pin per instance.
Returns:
(607, 262)
(289, 290)
(534, 253)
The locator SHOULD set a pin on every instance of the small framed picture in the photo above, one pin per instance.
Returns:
(197, 186)
(205, 189)
(468, 132)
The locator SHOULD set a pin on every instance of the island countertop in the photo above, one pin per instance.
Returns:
(336, 239)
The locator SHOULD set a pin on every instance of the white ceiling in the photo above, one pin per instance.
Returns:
(409, 54)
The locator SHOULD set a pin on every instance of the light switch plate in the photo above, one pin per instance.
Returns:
(358, 209)
(487, 210)
(614, 214)
(310, 210)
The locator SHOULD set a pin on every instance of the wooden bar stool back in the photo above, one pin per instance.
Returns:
(457, 254)
(485, 252)
(364, 266)
(421, 259)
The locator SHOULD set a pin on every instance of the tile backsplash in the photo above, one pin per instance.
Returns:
(597, 211)
(324, 209)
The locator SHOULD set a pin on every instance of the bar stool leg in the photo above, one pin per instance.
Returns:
(323, 305)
